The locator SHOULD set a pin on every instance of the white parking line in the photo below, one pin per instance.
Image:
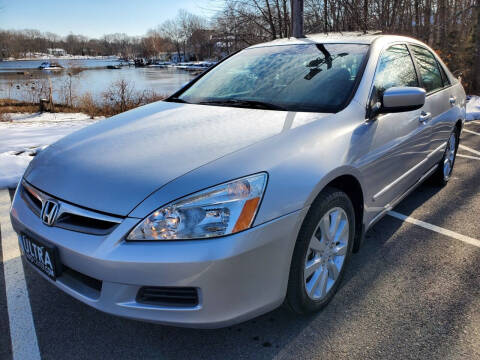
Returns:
(468, 157)
(471, 132)
(438, 229)
(22, 329)
(469, 149)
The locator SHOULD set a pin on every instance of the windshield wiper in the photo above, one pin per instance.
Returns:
(177, 100)
(255, 104)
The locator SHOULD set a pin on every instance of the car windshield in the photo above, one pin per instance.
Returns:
(311, 77)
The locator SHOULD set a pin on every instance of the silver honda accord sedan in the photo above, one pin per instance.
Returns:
(248, 188)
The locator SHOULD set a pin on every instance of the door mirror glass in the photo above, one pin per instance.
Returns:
(398, 99)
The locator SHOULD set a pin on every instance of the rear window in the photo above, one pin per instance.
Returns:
(311, 77)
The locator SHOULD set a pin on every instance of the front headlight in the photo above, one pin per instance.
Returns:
(221, 210)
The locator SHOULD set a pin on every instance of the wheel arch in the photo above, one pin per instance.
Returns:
(350, 183)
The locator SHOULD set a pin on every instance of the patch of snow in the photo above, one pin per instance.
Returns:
(473, 108)
(12, 167)
(27, 134)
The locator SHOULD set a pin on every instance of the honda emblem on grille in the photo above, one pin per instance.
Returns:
(49, 212)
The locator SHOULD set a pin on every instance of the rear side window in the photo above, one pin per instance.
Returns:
(395, 69)
(429, 70)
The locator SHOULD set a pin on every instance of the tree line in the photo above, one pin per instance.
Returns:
(451, 27)
(187, 34)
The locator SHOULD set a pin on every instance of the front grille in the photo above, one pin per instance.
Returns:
(32, 201)
(70, 217)
(168, 296)
(85, 224)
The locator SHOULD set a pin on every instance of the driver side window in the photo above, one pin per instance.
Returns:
(431, 76)
(394, 69)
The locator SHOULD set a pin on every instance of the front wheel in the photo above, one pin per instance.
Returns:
(323, 248)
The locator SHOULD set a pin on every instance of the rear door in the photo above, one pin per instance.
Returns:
(439, 103)
(400, 140)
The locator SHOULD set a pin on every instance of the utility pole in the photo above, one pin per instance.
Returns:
(297, 18)
(476, 84)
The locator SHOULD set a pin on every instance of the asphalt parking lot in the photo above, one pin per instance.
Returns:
(411, 292)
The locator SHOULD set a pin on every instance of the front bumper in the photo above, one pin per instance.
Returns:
(237, 277)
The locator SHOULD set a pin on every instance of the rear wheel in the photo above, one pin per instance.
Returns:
(322, 251)
(445, 166)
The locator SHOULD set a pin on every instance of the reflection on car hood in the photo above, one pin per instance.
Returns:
(113, 165)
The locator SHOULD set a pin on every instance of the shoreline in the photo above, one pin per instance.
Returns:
(70, 57)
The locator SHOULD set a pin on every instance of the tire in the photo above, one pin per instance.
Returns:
(311, 291)
(445, 167)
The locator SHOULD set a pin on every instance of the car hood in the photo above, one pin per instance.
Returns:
(113, 165)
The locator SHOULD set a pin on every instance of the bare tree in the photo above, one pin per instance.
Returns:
(120, 95)
(172, 30)
(451, 27)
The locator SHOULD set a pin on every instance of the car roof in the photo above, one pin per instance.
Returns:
(337, 37)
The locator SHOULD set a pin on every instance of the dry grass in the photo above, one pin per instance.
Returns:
(15, 106)
(119, 97)
(88, 106)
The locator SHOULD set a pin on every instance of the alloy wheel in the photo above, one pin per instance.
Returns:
(449, 156)
(326, 253)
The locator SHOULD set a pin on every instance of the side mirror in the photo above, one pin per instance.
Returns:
(399, 99)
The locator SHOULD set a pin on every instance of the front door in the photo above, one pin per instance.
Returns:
(397, 141)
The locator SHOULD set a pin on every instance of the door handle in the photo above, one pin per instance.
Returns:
(453, 100)
(424, 117)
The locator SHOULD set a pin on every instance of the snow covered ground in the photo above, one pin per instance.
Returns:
(473, 108)
(28, 133)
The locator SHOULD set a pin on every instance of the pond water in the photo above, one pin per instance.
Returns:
(67, 63)
(21, 80)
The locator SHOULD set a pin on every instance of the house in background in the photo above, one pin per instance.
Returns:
(57, 52)
(176, 58)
